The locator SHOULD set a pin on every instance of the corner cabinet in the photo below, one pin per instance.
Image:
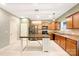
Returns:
(73, 21)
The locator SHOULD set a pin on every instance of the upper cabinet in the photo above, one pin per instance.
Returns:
(57, 25)
(76, 20)
(54, 25)
(49, 26)
(73, 21)
(69, 22)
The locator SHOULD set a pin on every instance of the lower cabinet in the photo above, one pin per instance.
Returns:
(57, 39)
(62, 42)
(52, 36)
(69, 45)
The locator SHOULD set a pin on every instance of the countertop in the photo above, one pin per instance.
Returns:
(70, 36)
(36, 36)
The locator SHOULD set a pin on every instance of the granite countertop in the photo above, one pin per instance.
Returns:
(36, 36)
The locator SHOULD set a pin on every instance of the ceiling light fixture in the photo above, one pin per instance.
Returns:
(37, 13)
(54, 16)
(36, 9)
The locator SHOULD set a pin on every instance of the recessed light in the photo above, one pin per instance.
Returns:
(53, 13)
(36, 10)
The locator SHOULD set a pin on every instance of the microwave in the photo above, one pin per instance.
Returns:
(44, 27)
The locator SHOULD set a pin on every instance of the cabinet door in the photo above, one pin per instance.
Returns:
(69, 22)
(55, 38)
(57, 25)
(68, 45)
(71, 47)
(49, 26)
(51, 36)
(76, 20)
(53, 25)
(58, 39)
(62, 42)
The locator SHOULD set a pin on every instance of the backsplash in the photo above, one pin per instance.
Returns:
(64, 29)
(73, 31)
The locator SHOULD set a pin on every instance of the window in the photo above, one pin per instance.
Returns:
(63, 25)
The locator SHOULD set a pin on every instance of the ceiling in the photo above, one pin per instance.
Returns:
(39, 11)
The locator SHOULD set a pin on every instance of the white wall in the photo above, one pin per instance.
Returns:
(4, 29)
(7, 30)
(14, 29)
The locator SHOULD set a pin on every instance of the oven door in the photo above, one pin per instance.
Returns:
(45, 32)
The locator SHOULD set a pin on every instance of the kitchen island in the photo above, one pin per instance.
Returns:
(45, 40)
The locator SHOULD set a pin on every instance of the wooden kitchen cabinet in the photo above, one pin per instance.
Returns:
(52, 36)
(54, 25)
(62, 42)
(49, 26)
(57, 39)
(57, 25)
(76, 20)
(71, 47)
(73, 21)
(69, 22)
